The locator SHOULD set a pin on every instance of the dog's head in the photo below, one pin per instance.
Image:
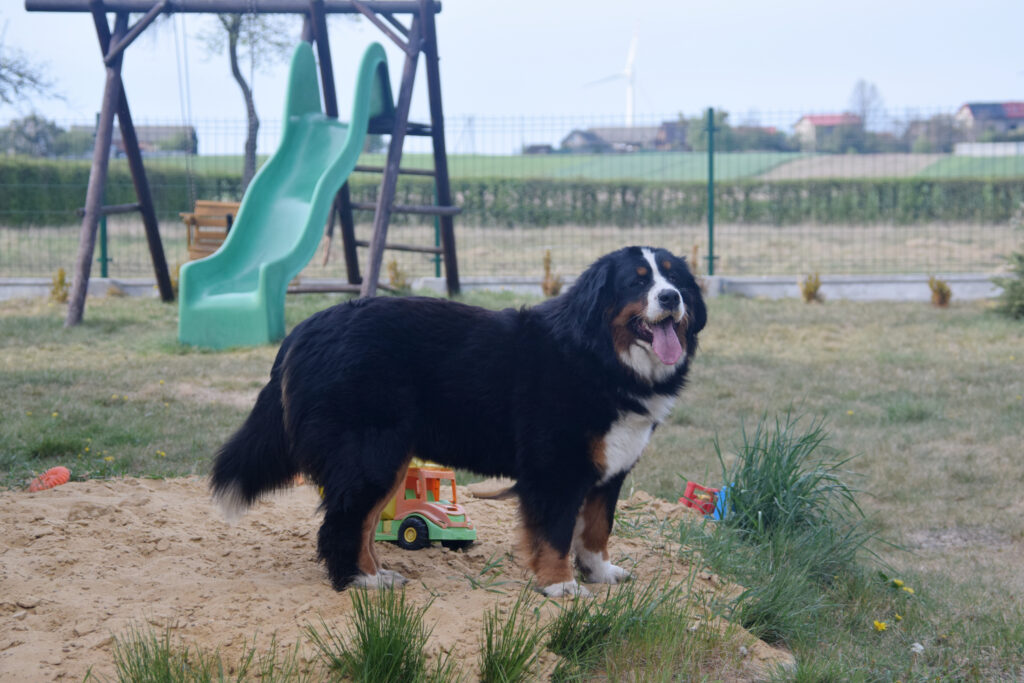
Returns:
(643, 305)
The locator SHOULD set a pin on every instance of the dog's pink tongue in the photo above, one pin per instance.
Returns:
(666, 343)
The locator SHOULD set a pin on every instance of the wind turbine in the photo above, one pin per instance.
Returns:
(628, 73)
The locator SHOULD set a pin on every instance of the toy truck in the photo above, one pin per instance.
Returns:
(427, 511)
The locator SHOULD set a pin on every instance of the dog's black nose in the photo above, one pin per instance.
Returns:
(668, 298)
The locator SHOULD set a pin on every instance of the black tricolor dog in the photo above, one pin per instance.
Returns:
(562, 397)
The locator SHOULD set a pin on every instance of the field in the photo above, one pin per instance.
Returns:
(927, 404)
(674, 166)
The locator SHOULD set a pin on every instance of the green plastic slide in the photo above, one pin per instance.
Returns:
(235, 297)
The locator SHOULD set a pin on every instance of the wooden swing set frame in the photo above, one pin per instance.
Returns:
(420, 36)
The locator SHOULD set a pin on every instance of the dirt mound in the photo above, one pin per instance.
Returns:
(85, 561)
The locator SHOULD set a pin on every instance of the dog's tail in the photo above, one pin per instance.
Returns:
(256, 458)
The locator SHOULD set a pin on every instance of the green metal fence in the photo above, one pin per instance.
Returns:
(766, 194)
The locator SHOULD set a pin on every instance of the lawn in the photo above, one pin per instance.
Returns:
(927, 404)
(975, 167)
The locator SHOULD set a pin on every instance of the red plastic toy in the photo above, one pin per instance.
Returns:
(699, 497)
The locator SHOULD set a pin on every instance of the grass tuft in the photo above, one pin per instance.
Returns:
(587, 627)
(144, 656)
(784, 479)
(385, 642)
(511, 642)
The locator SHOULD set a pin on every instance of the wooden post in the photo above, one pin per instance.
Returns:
(386, 195)
(98, 171)
(442, 185)
(142, 191)
(343, 205)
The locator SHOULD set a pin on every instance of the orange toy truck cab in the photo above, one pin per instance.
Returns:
(428, 510)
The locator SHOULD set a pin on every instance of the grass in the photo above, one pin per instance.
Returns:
(923, 408)
(141, 655)
(385, 642)
(975, 167)
(512, 641)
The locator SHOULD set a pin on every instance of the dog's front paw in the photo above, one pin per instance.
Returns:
(385, 578)
(606, 572)
(565, 589)
(390, 575)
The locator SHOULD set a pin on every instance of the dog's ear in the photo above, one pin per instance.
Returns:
(697, 311)
(590, 297)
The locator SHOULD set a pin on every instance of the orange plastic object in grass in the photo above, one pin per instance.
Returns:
(702, 498)
(55, 476)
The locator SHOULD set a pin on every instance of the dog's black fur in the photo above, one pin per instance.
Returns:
(529, 394)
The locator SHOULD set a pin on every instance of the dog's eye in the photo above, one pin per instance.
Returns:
(638, 282)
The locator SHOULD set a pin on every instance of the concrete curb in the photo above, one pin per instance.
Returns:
(34, 287)
(965, 286)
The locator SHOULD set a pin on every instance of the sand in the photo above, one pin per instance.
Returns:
(86, 561)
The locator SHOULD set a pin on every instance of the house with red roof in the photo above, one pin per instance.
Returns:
(813, 129)
(978, 119)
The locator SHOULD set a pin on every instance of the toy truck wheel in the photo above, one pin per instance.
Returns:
(413, 534)
(456, 545)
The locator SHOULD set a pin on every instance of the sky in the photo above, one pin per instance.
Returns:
(527, 58)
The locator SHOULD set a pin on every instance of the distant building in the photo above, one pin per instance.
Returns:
(538, 149)
(154, 140)
(976, 119)
(585, 142)
(815, 129)
(669, 135)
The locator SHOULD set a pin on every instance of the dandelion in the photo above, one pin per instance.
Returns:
(880, 626)
(109, 458)
(161, 381)
(897, 583)
(29, 412)
(899, 617)
(54, 414)
(113, 397)
(849, 412)
(161, 454)
(908, 589)
(86, 449)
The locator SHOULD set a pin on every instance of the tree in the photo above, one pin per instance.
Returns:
(697, 132)
(32, 135)
(867, 103)
(263, 40)
(19, 75)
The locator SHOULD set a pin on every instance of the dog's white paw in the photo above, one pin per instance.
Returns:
(606, 572)
(565, 589)
(385, 578)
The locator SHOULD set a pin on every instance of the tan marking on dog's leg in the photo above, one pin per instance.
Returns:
(552, 569)
(594, 536)
(368, 553)
(590, 543)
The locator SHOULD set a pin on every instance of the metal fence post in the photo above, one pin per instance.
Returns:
(103, 259)
(711, 191)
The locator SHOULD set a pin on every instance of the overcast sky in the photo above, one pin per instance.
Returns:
(535, 57)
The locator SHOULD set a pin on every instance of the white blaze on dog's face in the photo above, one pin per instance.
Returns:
(648, 331)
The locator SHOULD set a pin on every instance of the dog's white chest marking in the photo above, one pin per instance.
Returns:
(629, 434)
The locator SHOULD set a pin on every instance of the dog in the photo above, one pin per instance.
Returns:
(562, 397)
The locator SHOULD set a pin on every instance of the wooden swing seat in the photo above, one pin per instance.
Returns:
(208, 225)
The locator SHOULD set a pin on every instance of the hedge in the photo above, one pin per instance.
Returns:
(34, 192)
